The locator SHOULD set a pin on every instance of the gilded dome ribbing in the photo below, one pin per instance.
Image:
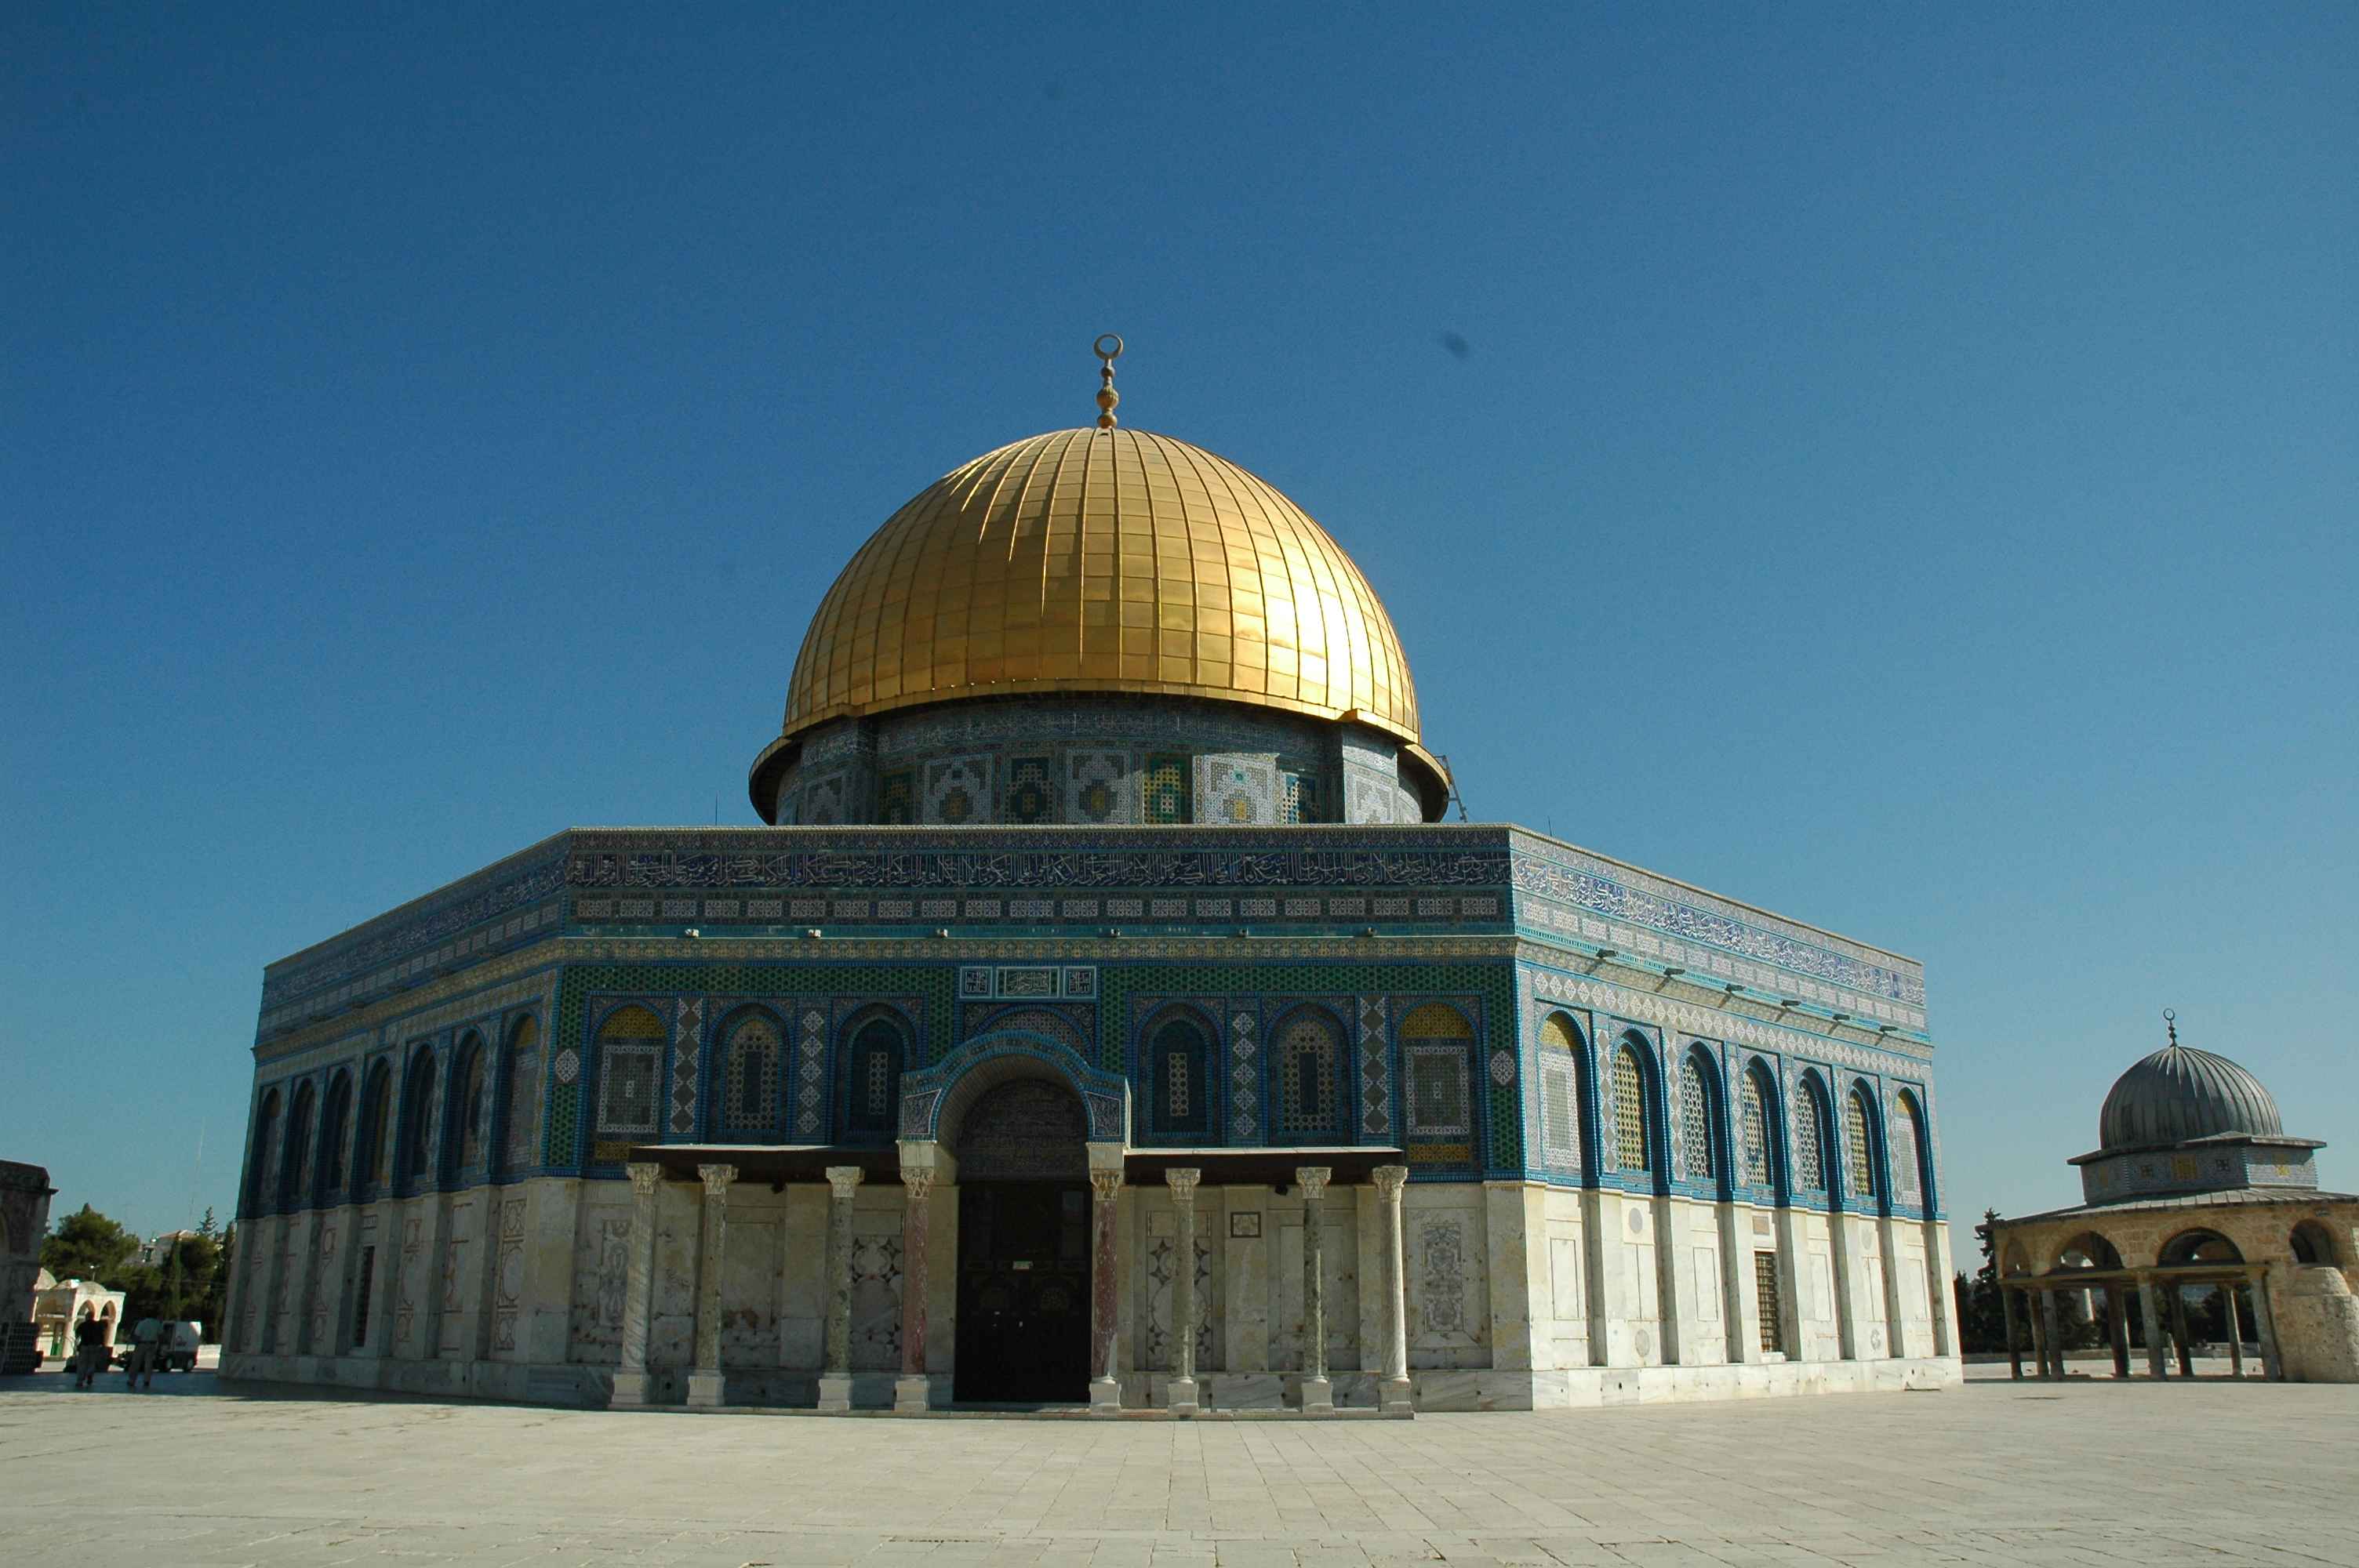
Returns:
(1101, 561)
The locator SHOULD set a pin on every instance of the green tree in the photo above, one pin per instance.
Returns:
(87, 1245)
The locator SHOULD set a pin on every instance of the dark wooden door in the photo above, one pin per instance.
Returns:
(1024, 1293)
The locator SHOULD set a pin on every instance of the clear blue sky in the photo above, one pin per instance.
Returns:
(1900, 471)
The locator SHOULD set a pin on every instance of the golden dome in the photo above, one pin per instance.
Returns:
(1101, 561)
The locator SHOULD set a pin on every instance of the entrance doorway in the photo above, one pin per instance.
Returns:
(1024, 1293)
(1024, 1249)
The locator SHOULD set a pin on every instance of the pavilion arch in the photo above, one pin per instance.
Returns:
(1759, 1135)
(2198, 1244)
(2311, 1242)
(2014, 1260)
(1177, 1047)
(1703, 1120)
(2090, 1249)
(936, 1100)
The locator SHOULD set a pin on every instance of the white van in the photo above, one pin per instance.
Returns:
(180, 1347)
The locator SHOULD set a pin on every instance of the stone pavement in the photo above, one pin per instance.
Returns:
(2086, 1472)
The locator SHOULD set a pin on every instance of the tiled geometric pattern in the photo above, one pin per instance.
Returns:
(810, 1073)
(1031, 792)
(896, 796)
(1237, 792)
(1907, 1185)
(687, 1064)
(523, 1097)
(1305, 1071)
(1810, 1142)
(1244, 1077)
(1099, 787)
(958, 791)
(1375, 1078)
(630, 1055)
(1166, 790)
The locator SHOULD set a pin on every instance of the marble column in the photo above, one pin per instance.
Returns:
(2150, 1309)
(2054, 1321)
(705, 1382)
(2178, 1337)
(2117, 1327)
(2236, 1329)
(1393, 1393)
(638, 1286)
(1183, 1182)
(2014, 1350)
(2264, 1324)
(913, 1391)
(835, 1378)
(2039, 1333)
(1106, 1384)
(1317, 1393)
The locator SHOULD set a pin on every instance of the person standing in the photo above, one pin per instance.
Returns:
(90, 1346)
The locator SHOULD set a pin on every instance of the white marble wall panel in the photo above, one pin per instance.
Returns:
(1339, 1271)
(602, 1260)
(1449, 1291)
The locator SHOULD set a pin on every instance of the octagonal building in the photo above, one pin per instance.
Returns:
(1103, 1014)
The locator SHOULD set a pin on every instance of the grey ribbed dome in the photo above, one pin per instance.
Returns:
(2181, 1093)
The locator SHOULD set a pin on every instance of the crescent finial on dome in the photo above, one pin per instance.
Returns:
(1107, 395)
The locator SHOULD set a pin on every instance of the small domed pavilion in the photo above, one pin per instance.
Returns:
(2195, 1190)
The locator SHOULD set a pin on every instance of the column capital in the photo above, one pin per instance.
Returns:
(916, 1185)
(1105, 1184)
(1389, 1179)
(716, 1179)
(843, 1179)
(644, 1176)
(1313, 1179)
(1182, 1180)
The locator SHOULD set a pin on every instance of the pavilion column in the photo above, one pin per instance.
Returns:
(1394, 1396)
(704, 1383)
(1106, 1384)
(914, 1391)
(2117, 1327)
(2236, 1329)
(2179, 1330)
(1317, 1393)
(835, 1378)
(2054, 1322)
(2013, 1349)
(1183, 1182)
(2264, 1323)
(638, 1286)
(2150, 1309)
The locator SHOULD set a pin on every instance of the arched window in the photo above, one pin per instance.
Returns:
(1754, 1144)
(262, 1167)
(522, 1144)
(630, 1056)
(1809, 1137)
(1438, 1061)
(418, 1119)
(1859, 1144)
(749, 1072)
(376, 1129)
(474, 1108)
(1907, 1136)
(1698, 1127)
(1309, 1057)
(1633, 1138)
(1178, 1077)
(334, 1167)
(2313, 1243)
(295, 1166)
(1563, 1060)
(873, 1079)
